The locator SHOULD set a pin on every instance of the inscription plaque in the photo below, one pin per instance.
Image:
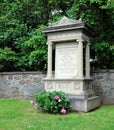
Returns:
(63, 86)
(66, 60)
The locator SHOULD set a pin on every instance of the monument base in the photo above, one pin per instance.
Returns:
(85, 105)
(82, 97)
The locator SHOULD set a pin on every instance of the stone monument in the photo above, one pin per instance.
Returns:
(71, 39)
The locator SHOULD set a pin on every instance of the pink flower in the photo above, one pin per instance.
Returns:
(56, 97)
(63, 111)
(59, 100)
(31, 102)
(36, 106)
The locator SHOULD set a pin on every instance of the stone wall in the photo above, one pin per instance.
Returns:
(103, 85)
(21, 84)
(26, 84)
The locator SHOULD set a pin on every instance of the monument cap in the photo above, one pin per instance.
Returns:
(69, 24)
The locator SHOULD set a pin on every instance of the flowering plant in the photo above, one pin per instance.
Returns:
(53, 102)
(34, 104)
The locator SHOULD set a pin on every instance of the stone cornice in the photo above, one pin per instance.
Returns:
(66, 24)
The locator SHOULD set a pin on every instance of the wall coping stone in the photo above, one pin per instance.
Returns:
(44, 72)
(103, 71)
(20, 73)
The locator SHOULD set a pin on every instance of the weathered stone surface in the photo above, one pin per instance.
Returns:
(99, 77)
(10, 77)
(17, 77)
(8, 86)
(104, 87)
(21, 85)
(85, 105)
(112, 76)
(36, 79)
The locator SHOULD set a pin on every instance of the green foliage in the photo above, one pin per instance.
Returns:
(33, 50)
(53, 102)
(7, 58)
(105, 54)
(20, 30)
(100, 15)
(21, 23)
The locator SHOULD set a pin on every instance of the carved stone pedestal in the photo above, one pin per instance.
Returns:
(80, 91)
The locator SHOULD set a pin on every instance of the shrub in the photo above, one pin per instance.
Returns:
(53, 102)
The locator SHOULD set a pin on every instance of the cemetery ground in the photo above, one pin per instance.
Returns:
(18, 114)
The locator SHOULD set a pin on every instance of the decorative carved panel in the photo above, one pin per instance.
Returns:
(77, 86)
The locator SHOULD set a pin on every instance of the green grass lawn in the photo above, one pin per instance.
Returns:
(20, 115)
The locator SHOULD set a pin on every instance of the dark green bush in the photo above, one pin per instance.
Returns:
(53, 102)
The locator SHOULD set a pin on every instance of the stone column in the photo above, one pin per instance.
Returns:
(80, 58)
(49, 67)
(87, 55)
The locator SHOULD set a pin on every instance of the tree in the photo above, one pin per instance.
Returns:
(20, 30)
(33, 51)
(19, 25)
(100, 15)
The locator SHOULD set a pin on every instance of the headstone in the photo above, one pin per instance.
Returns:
(66, 60)
(72, 73)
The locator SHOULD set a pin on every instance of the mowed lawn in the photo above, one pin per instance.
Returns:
(20, 115)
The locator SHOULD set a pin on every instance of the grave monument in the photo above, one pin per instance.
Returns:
(71, 39)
